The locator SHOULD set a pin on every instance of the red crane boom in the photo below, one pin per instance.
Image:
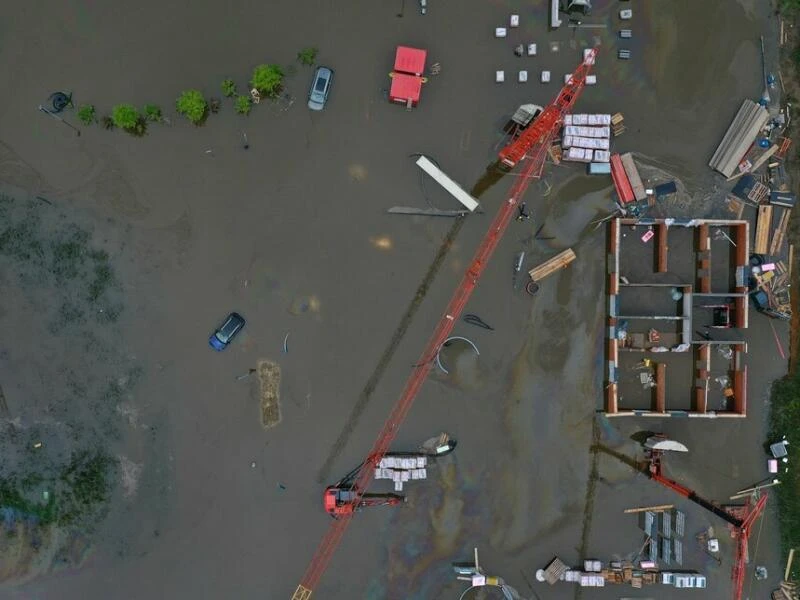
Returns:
(531, 144)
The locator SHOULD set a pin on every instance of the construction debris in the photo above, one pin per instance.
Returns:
(597, 574)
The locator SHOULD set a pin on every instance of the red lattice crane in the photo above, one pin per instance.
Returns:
(741, 519)
(531, 146)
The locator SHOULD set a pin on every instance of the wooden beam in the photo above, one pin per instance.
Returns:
(788, 565)
(656, 508)
(558, 262)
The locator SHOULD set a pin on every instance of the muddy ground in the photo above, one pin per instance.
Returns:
(292, 233)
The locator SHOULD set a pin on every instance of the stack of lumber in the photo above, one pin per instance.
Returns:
(558, 262)
(741, 134)
(780, 233)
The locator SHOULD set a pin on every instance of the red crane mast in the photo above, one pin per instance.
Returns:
(532, 145)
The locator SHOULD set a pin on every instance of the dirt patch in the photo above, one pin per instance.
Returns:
(269, 382)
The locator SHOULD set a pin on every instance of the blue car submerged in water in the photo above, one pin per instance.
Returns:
(225, 333)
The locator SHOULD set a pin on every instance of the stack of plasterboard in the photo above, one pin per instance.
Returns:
(584, 155)
(591, 580)
(401, 469)
(590, 132)
(741, 134)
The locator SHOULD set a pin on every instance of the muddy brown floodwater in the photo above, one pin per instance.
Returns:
(201, 226)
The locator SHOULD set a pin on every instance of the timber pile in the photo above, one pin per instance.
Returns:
(558, 262)
(786, 591)
(763, 225)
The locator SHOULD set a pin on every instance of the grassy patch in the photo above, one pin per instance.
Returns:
(785, 421)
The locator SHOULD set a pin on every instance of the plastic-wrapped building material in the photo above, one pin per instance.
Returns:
(602, 156)
(578, 155)
(741, 134)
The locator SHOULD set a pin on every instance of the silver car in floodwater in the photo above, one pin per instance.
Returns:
(320, 88)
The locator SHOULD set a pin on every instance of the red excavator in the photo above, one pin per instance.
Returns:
(344, 497)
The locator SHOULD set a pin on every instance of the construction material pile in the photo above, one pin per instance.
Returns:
(587, 138)
(401, 469)
(595, 574)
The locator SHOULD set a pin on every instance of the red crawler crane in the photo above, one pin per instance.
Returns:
(741, 520)
(531, 145)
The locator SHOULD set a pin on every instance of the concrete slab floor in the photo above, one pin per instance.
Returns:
(301, 213)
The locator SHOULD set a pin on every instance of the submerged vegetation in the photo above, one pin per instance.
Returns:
(78, 490)
(785, 421)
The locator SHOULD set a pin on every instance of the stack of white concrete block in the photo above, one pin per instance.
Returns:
(572, 576)
(591, 580)
(587, 132)
(401, 469)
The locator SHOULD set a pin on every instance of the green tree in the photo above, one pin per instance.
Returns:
(243, 105)
(86, 114)
(125, 116)
(307, 56)
(267, 79)
(228, 88)
(192, 105)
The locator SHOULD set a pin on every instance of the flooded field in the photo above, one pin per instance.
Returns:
(185, 225)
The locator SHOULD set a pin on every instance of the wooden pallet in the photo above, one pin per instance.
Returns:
(617, 124)
(763, 225)
(780, 232)
(558, 262)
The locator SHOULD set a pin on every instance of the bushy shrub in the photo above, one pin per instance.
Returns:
(86, 114)
(267, 79)
(192, 105)
(307, 56)
(125, 116)
(152, 112)
(228, 88)
(243, 104)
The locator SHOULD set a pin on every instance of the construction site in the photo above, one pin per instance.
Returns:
(512, 309)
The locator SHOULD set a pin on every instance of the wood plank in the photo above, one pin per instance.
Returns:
(656, 508)
(788, 565)
(763, 224)
(558, 262)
